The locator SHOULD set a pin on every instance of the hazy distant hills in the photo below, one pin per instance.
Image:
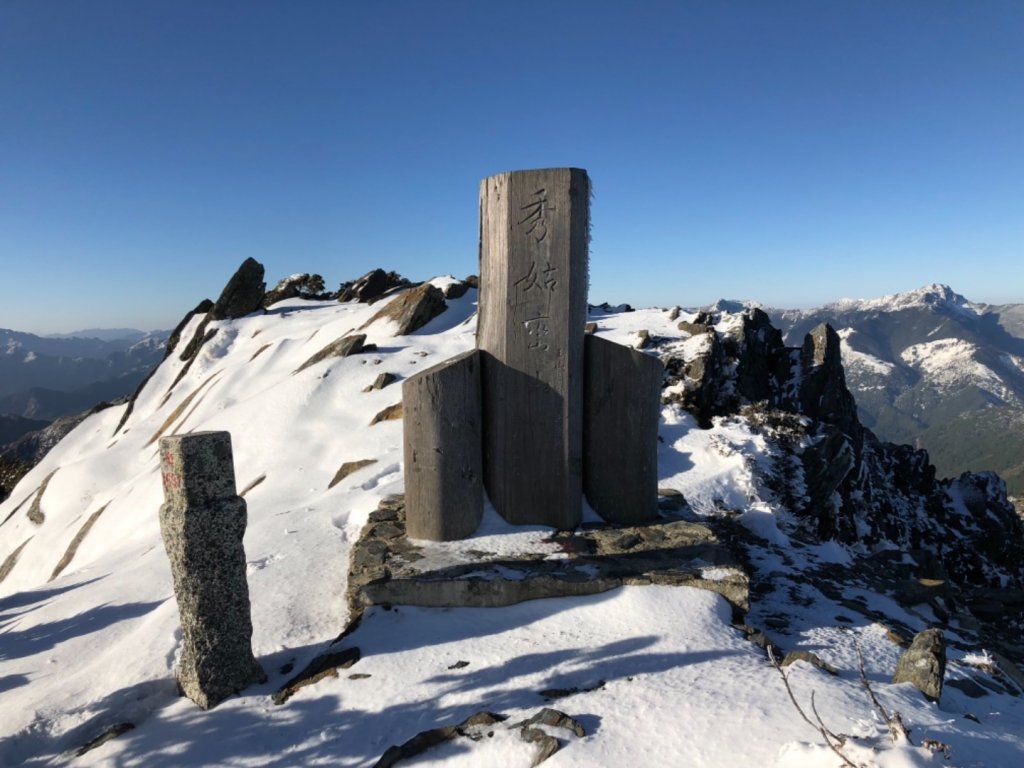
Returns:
(43, 378)
(930, 368)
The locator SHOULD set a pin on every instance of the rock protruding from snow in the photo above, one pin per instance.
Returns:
(923, 664)
(413, 309)
(823, 389)
(243, 293)
(343, 347)
(371, 286)
(202, 522)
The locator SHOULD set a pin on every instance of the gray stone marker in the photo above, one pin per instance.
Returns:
(442, 443)
(202, 522)
(534, 231)
(622, 397)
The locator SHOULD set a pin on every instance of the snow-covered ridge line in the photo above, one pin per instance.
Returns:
(933, 295)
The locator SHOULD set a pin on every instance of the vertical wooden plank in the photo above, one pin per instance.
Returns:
(534, 233)
(442, 444)
(622, 404)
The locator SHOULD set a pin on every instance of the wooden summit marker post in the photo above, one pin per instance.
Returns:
(513, 410)
(534, 231)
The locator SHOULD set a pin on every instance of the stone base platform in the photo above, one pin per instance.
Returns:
(502, 564)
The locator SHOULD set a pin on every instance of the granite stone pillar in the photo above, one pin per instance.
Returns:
(534, 230)
(202, 522)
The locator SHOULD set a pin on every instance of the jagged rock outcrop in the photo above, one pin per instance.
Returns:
(304, 286)
(243, 293)
(371, 286)
(840, 480)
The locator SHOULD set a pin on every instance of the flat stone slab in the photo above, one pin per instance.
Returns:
(504, 564)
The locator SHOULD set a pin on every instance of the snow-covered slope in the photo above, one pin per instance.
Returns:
(663, 679)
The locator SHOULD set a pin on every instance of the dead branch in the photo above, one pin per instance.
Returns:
(897, 729)
(833, 740)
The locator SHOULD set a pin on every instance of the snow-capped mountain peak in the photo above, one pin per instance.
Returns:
(933, 296)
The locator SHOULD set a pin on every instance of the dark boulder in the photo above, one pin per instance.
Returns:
(371, 286)
(243, 294)
(923, 664)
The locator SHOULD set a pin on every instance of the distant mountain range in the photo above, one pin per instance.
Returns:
(930, 368)
(46, 377)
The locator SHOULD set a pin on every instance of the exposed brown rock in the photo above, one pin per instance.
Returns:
(390, 413)
(343, 347)
(75, 542)
(412, 309)
(347, 469)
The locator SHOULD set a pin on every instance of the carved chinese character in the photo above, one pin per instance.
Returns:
(533, 216)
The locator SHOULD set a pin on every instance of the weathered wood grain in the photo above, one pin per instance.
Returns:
(442, 443)
(534, 230)
(622, 403)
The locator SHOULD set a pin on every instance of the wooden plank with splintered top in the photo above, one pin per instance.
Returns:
(534, 231)
(442, 444)
(622, 405)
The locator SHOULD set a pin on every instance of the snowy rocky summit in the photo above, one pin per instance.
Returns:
(852, 546)
(932, 369)
(933, 295)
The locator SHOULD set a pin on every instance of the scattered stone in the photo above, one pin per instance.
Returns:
(555, 719)
(391, 413)
(202, 522)
(673, 314)
(347, 469)
(323, 666)
(69, 554)
(413, 309)
(459, 665)
(896, 638)
(12, 560)
(110, 733)
(243, 293)
(359, 676)
(560, 693)
(643, 339)
(35, 510)
(811, 658)
(693, 328)
(548, 745)
(472, 727)
(381, 381)
(590, 328)
(343, 347)
(924, 663)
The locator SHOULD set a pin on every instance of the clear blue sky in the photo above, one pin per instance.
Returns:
(789, 152)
